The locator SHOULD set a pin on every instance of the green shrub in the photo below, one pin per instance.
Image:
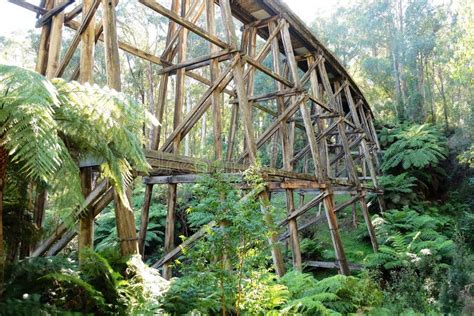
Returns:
(59, 284)
(336, 294)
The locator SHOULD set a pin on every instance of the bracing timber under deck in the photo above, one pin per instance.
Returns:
(308, 96)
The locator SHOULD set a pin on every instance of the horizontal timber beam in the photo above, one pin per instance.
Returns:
(331, 265)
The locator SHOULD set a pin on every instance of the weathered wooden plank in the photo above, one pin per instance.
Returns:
(112, 59)
(174, 253)
(268, 71)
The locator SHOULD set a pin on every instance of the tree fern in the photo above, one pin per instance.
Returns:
(47, 127)
(398, 190)
(329, 296)
(418, 150)
(28, 102)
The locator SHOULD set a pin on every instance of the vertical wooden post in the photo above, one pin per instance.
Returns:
(145, 218)
(87, 47)
(287, 151)
(112, 59)
(169, 229)
(163, 85)
(156, 131)
(42, 59)
(123, 212)
(215, 98)
(86, 223)
(55, 40)
(178, 116)
(232, 130)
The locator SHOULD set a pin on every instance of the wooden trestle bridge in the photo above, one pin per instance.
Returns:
(313, 97)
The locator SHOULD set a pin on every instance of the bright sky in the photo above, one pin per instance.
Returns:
(16, 19)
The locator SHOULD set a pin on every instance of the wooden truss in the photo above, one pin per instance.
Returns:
(312, 97)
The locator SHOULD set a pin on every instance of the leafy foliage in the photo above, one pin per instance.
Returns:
(409, 236)
(47, 127)
(416, 147)
(225, 258)
(398, 190)
(336, 294)
(467, 157)
(418, 151)
(93, 287)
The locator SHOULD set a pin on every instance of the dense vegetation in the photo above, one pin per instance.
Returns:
(414, 61)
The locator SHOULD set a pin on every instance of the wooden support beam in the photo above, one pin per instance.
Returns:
(55, 40)
(145, 217)
(77, 37)
(283, 117)
(91, 199)
(216, 100)
(112, 59)
(163, 85)
(171, 38)
(332, 265)
(366, 152)
(349, 163)
(268, 72)
(321, 136)
(176, 252)
(193, 116)
(198, 62)
(166, 163)
(178, 117)
(86, 222)
(66, 238)
(305, 208)
(183, 22)
(86, 63)
(287, 153)
(42, 59)
(52, 12)
(73, 13)
(125, 220)
(245, 112)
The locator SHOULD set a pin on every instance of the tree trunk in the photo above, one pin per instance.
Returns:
(443, 96)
